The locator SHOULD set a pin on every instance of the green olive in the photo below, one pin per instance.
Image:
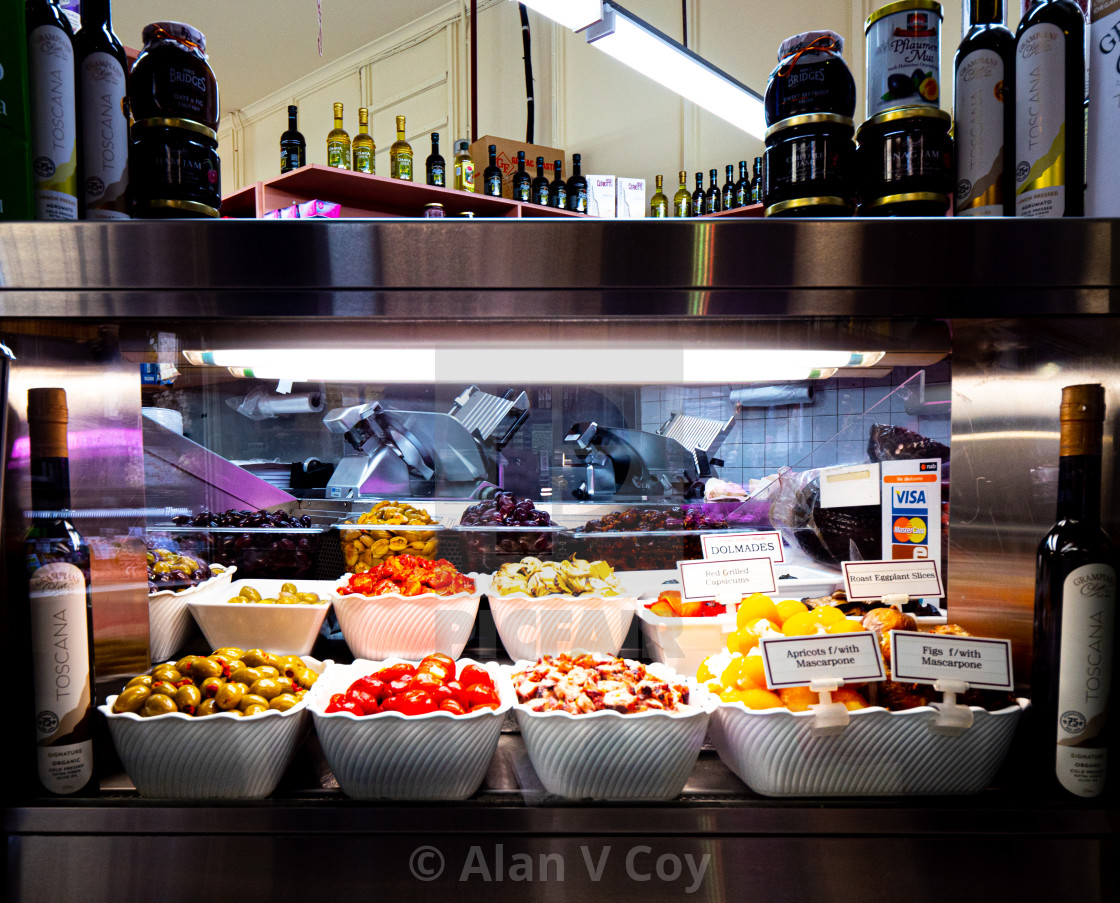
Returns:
(283, 702)
(141, 680)
(268, 687)
(188, 696)
(306, 678)
(229, 696)
(289, 588)
(252, 699)
(250, 593)
(254, 658)
(158, 704)
(131, 698)
(308, 598)
(255, 709)
(168, 673)
(286, 599)
(269, 671)
(211, 686)
(165, 687)
(246, 675)
(183, 666)
(206, 707)
(286, 684)
(288, 664)
(229, 653)
(205, 668)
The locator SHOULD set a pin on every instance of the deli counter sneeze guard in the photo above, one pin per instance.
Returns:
(953, 341)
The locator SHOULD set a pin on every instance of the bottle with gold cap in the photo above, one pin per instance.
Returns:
(682, 200)
(59, 606)
(338, 142)
(1075, 611)
(659, 204)
(364, 148)
(400, 155)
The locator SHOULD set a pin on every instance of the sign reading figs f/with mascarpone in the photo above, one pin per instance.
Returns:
(703, 580)
(865, 580)
(793, 661)
(747, 544)
(924, 658)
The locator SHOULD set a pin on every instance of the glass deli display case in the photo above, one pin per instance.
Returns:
(496, 439)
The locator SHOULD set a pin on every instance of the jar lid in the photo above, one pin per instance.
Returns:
(902, 113)
(193, 206)
(794, 203)
(808, 119)
(469, 214)
(800, 41)
(188, 124)
(433, 206)
(901, 6)
(926, 197)
(178, 31)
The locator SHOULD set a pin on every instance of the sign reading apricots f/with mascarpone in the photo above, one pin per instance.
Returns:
(718, 546)
(924, 658)
(703, 580)
(794, 661)
(875, 579)
(911, 503)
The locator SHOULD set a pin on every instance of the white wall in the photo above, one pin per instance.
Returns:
(586, 102)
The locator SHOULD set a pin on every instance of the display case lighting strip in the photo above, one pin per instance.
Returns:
(573, 14)
(562, 366)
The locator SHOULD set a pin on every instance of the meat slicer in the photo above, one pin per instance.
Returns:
(622, 463)
(424, 454)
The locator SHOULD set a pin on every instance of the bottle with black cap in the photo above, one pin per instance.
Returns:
(492, 174)
(577, 187)
(540, 185)
(558, 188)
(522, 184)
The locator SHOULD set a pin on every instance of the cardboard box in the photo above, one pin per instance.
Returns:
(601, 195)
(630, 198)
(507, 160)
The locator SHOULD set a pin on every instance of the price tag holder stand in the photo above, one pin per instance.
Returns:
(830, 718)
(952, 719)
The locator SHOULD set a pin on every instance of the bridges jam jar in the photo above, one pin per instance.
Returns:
(174, 99)
(811, 77)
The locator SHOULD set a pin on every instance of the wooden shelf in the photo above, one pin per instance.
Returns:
(751, 210)
(363, 195)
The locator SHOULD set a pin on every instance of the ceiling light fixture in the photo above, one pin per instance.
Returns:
(573, 14)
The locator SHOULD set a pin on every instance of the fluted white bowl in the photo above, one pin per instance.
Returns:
(435, 756)
(218, 757)
(879, 753)
(169, 619)
(684, 643)
(281, 629)
(611, 756)
(532, 626)
(410, 627)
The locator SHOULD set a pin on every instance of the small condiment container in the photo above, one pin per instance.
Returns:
(811, 77)
(434, 211)
(469, 214)
(809, 156)
(905, 151)
(826, 206)
(175, 171)
(903, 55)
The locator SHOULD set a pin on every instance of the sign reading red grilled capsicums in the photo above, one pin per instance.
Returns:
(409, 575)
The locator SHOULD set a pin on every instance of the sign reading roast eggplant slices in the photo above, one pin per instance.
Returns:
(702, 580)
(750, 544)
(875, 579)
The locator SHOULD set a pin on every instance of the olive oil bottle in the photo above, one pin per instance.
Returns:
(364, 148)
(53, 106)
(338, 142)
(682, 200)
(400, 155)
(659, 204)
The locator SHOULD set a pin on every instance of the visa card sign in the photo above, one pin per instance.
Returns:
(911, 503)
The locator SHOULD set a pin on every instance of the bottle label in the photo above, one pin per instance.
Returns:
(60, 649)
(542, 195)
(337, 155)
(578, 201)
(54, 137)
(401, 167)
(522, 192)
(558, 197)
(1084, 677)
(363, 160)
(979, 138)
(1103, 197)
(105, 137)
(437, 176)
(494, 186)
(464, 175)
(1040, 128)
(683, 207)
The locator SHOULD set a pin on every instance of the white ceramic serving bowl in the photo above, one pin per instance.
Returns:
(549, 625)
(169, 620)
(435, 756)
(219, 757)
(879, 753)
(378, 627)
(281, 629)
(611, 756)
(683, 643)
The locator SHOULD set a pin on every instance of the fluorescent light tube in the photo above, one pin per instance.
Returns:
(573, 14)
(642, 47)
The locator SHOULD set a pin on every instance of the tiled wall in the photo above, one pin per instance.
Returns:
(831, 429)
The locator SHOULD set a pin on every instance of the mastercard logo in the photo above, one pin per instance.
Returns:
(909, 529)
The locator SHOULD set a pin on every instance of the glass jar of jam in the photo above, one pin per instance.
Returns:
(826, 206)
(914, 203)
(171, 79)
(175, 171)
(809, 156)
(905, 151)
(811, 77)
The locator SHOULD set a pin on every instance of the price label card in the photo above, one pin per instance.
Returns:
(795, 660)
(703, 580)
(719, 546)
(922, 658)
(874, 579)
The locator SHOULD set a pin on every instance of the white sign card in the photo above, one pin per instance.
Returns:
(748, 544)
(912, 509)
(875, 579)
(923, 658)
(793, 661)
(704, 580)
(850, 485)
